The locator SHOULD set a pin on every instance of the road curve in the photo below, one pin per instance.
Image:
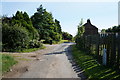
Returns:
(55, 64)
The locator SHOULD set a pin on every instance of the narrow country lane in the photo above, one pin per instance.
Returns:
(54, 64)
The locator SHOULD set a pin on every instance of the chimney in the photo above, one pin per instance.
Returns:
(88, 21)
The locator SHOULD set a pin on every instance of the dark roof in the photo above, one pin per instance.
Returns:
(88, 24)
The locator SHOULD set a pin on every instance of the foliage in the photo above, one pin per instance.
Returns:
(46, 26)
(113, 29)
(58, 27)
(35, 44)
(79, 37)
(21, 32)
(18, 31)
(14, 37)
(23, 19)
(81, 29)
(93, 70)
(103, 31)
(66, 36)
(7, 62)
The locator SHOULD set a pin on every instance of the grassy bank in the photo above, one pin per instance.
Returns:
(92, 69)
(7, 62)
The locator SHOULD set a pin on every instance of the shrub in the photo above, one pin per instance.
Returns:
(14, 37)
(47, 40)
(35, 44)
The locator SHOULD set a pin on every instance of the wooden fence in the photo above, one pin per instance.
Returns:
(94, 44)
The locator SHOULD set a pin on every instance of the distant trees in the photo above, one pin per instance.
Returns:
(114, 29)
(103, 31)
(66, 36)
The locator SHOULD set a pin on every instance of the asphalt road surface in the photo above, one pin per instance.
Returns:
(54, 64)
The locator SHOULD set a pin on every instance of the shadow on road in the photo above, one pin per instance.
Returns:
(62, 52)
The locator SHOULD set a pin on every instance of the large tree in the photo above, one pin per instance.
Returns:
(58, 26)
(44, 22)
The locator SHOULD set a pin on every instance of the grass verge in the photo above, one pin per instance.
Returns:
(7, 62)
(31, 49)
(63, 41)
(92, 69)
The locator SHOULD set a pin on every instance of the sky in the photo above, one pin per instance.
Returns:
(102, 14)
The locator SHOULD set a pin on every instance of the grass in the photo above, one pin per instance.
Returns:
(24, 59)
(31, 49)
(7, 62)
(93, 70)
(57, 42)
(62, 41)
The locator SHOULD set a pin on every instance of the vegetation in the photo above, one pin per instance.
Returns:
(47, 27)
(18, 33)
(93, 70)
(114, 29)
(64, 41)
(7, 62)
(30, 49)
(67, 36)
(23, 33)
(88, 52)
(78, 38)
(15, 37)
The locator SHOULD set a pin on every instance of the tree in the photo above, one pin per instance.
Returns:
(67, 36)
(79, 37)
(114, 29)
(81, 28)
(103, 31)
(23, 20)
(58, 27)
(38, 21)
(18, 32)
(44, 22)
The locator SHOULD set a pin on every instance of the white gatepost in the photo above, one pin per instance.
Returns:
(104, 57)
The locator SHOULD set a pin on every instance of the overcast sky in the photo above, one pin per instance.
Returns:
(102, 14)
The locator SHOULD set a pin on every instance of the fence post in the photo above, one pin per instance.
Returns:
(108, 48)
(104, 57)
(113, 50)
(118, 55)
(97, 47)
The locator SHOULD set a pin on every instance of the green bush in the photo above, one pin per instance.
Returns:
(35, 44)
(47, 40)
(14, 37)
